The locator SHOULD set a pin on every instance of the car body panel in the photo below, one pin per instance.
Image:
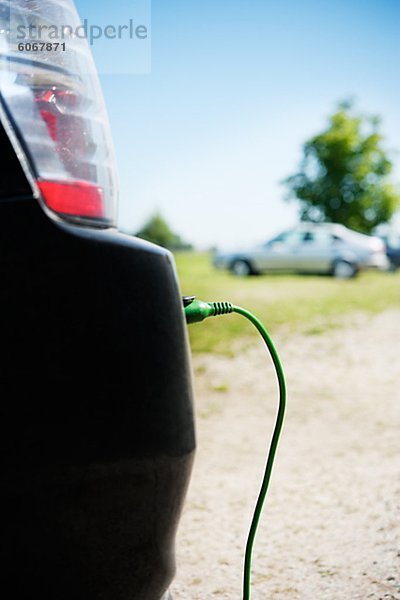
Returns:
(97, 427)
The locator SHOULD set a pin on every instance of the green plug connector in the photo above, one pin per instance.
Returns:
(197, 310)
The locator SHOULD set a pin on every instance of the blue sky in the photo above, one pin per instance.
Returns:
(235, 88)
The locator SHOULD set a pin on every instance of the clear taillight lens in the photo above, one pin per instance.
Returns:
(378, 245)
(55, 102)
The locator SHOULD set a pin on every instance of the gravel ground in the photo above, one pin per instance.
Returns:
(330, 530)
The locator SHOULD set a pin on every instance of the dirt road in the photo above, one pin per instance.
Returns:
(331, 527)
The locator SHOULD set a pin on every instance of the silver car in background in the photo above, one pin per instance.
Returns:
(309, 248)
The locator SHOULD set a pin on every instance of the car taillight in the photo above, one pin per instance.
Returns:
(378, 245)
(52, 94)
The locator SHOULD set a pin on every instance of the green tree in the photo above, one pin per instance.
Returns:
(343, 175)
(158, 231)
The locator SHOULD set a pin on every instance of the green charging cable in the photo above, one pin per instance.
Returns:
(196, 311)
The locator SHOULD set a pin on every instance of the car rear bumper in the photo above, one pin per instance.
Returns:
(97, 428)
(378, 261)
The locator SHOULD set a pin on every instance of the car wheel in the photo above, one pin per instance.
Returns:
(241, 268)
(344, 270)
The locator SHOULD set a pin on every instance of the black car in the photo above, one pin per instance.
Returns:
(393, 251)
(97, 429)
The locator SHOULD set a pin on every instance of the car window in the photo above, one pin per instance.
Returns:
(321, 238)
(278, 238)
(289, 238)
(336, 239)
(308, 237)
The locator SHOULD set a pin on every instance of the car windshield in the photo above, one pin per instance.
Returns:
(288, 238)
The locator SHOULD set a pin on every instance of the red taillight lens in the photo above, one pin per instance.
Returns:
(56, 103)
(74, 198)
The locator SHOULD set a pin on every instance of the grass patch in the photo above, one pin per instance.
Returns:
(309, 304)
(221, 389)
